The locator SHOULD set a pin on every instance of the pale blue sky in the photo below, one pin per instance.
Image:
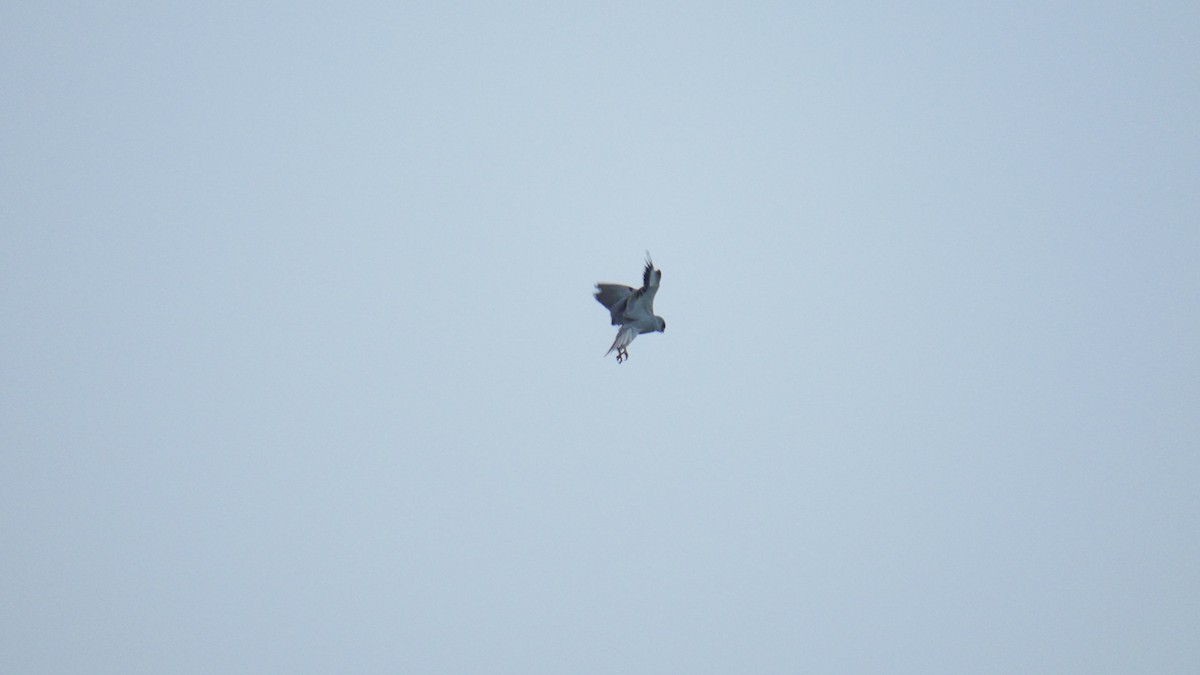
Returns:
(300, 369)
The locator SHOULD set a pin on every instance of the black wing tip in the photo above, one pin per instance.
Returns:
(649, 271)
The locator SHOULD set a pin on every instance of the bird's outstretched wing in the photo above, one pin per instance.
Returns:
(640, 305)
(650, 276)
(624, 336)
(613, 297)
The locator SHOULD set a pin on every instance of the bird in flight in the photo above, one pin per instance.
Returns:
(632, 310)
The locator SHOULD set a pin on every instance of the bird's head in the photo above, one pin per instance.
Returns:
(662, 324)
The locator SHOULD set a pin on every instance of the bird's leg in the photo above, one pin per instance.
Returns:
(622, 355)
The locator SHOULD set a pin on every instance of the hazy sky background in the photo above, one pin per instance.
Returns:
(300, 369)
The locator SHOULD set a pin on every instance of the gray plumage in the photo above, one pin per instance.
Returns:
(632, 309)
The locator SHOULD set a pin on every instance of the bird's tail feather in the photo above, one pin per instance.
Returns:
(624, 337)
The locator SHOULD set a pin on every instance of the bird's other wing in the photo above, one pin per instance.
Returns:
(650, 276)
(624, 336)
(614, 298)
(641, 304)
